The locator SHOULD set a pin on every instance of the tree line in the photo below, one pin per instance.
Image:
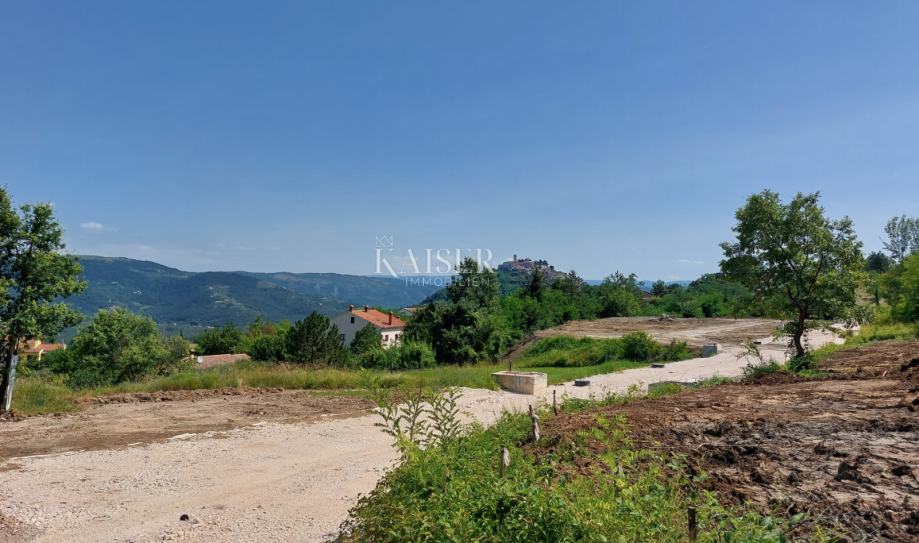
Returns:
(788, 260)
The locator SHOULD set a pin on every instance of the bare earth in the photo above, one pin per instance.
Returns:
(844, 449)
(695, 332)
(248, 465)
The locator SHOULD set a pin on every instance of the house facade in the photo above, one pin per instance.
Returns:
(34, 349)
(389, 326)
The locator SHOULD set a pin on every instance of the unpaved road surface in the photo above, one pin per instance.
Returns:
(270, 478)
(845, 450)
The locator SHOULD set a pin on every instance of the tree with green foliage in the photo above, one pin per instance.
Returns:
(537, 284)
(902, 237)
(901, 288)
(877, 262)
(620, 295)
(468, 327)
(227, 339)
(34, 277)
(315, 340)
(366, 339)
(794, 251)
(117, 346)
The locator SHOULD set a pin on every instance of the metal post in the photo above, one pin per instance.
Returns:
(11, 378)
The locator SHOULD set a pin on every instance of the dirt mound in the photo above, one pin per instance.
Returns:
(844, 450)
(894, 359)
(695, 332)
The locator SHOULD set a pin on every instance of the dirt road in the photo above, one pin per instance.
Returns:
(281, 476)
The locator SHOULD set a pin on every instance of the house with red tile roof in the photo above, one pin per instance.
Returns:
(349, 322)
(34, 349)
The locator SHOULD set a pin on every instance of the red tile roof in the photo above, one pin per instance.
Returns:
(33, 346)
(378, 318)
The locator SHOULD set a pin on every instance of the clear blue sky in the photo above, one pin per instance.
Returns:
(601, 136)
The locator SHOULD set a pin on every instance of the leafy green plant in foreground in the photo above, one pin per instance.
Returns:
(456, 492)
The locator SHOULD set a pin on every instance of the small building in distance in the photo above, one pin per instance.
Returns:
(212, 360)
(34, 349)
(389, 326)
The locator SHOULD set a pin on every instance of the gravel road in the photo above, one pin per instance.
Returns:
(267, 482)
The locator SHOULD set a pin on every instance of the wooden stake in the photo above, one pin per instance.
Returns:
(505, 460)
(554, 403)
(693, 530)
(534, 434)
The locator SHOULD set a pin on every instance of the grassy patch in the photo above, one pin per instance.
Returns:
(591, 486)
(34, 396)
(562, 359)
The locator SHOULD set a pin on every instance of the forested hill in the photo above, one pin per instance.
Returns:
(188, 300)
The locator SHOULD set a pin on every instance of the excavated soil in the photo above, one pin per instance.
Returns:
(127, 419)
(695, 332)
(845, 448)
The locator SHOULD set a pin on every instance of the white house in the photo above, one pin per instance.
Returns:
(389, 326)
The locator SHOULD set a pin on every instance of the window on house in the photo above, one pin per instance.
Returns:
(352, 320)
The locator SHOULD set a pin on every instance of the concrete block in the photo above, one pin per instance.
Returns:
(709, 350)
(522, 382)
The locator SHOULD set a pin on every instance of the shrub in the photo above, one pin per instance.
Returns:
(758, 369)
(805, 362)
(640, 346)
(406, 356)
(566, 351)
(676, 350)
(413, 355)
(117, 346)
(456, 492)
(267, 348)
(225, 340)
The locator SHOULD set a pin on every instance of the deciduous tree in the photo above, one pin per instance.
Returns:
(795, 251)
(34, 276)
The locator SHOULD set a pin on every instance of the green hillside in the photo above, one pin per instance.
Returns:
(188, 301)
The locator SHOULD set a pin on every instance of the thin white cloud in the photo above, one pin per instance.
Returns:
(688, 261)
(92, 226)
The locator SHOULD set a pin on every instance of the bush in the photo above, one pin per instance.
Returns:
(224, 340)
(640, 346)
(117, 346)
(456, 492)
(267, 348)
(676, 350)
(413, 355)
(567, 352)
(801, 363)
(406, 356)
(756, 370)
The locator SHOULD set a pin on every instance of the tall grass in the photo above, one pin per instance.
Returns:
(561, 358)
(34, 396)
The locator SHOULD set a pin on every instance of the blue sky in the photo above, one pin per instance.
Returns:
(601, 136)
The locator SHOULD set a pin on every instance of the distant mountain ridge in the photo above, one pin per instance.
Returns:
(192, 300)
